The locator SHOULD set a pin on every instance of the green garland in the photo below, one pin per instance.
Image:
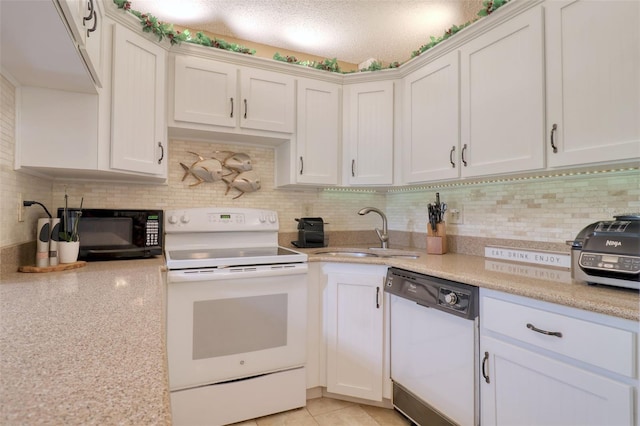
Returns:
(151, 24)
(489, 7)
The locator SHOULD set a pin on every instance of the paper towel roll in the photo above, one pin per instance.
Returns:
(53, 242)
(42, 243)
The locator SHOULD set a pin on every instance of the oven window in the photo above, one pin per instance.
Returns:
(105, 232)
(239, 325)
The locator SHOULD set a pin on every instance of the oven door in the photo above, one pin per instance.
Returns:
(230, 323)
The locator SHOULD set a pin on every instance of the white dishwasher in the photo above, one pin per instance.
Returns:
(434, 348)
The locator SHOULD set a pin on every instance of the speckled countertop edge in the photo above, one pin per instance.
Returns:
(541, 283)
(85, 346)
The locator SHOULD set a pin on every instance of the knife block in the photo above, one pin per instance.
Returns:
(437, 241)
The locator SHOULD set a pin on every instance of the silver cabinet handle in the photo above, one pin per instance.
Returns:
(485, 361)
(464, 150)
(301, 164)
(453, 149)
(553, 142)
(161, 152)
(231, 116)
(245, 108)
(539, 330)
(353, 168)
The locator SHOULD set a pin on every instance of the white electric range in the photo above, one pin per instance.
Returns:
(236, 316)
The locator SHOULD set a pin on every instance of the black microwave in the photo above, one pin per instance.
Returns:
(109, 234)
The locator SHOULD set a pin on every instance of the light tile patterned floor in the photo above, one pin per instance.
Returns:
(332, 412)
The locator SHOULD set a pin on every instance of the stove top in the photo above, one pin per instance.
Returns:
(223, 237)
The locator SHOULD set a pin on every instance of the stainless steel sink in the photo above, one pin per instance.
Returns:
(346, 253)
(386, 252)
(372, 252)
(401, 256)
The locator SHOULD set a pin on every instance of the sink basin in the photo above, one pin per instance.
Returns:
(401, 256)
(386, 252)
(372, 252)
(346, 253)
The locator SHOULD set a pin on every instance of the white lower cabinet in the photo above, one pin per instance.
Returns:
(354, 314)
(545, 364)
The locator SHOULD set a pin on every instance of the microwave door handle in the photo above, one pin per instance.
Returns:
(122, 250)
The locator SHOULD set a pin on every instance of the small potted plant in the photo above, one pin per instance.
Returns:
(69, 243)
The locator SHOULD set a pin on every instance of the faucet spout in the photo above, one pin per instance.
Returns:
(382, 235)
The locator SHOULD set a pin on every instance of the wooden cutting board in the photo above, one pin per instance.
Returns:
(60, 267)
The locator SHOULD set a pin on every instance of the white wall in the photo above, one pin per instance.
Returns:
(12, 183)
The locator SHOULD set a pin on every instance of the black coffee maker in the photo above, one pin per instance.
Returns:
(310, 232)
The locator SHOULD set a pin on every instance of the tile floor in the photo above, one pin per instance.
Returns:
(332, 412)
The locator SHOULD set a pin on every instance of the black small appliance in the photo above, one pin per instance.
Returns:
(310, 232)
(110, 234)
(608, 252)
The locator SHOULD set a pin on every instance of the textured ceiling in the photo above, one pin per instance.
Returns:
(349, 30)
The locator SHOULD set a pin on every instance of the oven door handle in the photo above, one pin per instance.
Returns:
(230, 273)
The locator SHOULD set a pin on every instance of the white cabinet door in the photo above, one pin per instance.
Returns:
(502, 98)
(355, 335)
(432, 124)
(205, 92)
(593, 83)
(84, 19)
(76, 13)
(318, 133)
(523, 387)
(268, 100)
(138, 132)
(368, 133)
(92, 51)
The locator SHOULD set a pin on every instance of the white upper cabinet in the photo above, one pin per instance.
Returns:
(214, 93)
(432, 121)
(268, 100)
(502, 98)
(205, 92)
(76, 13)
(92, 50)
(318, 132)
(138, 124)
(368, 133)
(84, 18)
(593, 81)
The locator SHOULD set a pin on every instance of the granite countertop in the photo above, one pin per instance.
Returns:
(87, 346)
(538, 282)
(84, 346)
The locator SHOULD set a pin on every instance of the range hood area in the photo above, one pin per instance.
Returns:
(43, 52)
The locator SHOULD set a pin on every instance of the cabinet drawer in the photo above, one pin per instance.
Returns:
(603, 346)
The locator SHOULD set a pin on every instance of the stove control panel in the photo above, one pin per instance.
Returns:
(214, 219)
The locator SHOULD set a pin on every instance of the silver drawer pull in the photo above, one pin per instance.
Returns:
(548, 333)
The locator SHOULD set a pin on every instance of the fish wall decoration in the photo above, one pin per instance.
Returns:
(235, 169)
